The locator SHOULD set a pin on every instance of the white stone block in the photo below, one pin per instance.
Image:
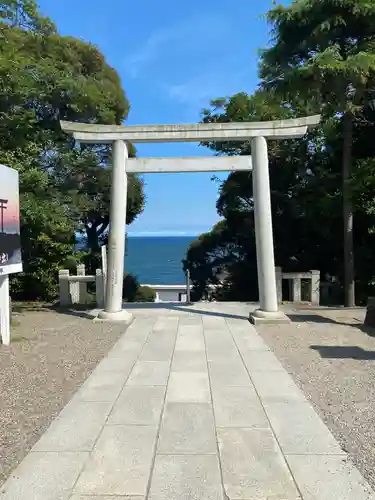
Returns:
(279, 284)
(296, 290)
(315, 287)
(99, 289)
(64, 288)
(82, 285)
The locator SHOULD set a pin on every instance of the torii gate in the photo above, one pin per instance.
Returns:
(256, 132)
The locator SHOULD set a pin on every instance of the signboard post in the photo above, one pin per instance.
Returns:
(104, 268)
(10, 243)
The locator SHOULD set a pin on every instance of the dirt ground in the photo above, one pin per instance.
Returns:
(51, 354)
(331, 356)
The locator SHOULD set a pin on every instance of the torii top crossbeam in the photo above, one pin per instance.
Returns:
(232, 131)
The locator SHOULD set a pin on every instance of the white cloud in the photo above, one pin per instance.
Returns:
(196, 92)
(199, 32)
(198, 88)
(136, 61)
(191, 62)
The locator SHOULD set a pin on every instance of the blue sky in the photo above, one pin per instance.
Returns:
(173, 57)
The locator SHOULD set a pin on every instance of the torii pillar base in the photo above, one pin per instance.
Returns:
(124, 317)
(260, 317)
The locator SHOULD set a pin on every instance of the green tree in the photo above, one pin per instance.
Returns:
(304, 195)
(45, 77)
(25, 14)
(323, 52)
(81, 174)
(207, 255)
(132, 291)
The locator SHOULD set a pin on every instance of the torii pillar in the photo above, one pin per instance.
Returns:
(269, 307)
(257, 133)
(113, 310)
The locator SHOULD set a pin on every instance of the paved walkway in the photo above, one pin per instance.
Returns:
(188, 406)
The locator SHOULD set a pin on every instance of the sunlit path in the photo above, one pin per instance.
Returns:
(189, 404)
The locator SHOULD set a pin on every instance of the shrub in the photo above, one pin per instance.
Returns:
(129, 288)
(132, 291)
(92, 261)
(145, 294)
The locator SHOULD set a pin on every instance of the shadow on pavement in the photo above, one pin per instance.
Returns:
(88, 312)
(344, 352)
(81, 311)
(313, 317)
(173, 306)
(310, 318)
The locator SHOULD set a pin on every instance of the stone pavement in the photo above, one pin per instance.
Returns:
(189, 404)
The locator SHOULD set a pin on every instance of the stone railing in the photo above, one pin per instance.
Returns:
(295, 285)
(73, 289)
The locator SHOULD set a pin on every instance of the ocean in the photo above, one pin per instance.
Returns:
(157, 260)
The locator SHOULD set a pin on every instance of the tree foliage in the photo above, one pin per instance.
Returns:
(324, 52)
(305, 178)
(25, 14)
(45, 77)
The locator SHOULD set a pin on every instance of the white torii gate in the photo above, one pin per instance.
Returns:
(256, 132)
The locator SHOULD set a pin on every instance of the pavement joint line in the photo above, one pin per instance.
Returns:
(187, 454)
(134, 425)
(344, 456)
(112, 406)
(262, 405)
(152, 468)
(240, 334)
(225, 496)
(243, 426)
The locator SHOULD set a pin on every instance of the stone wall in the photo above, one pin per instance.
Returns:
(295, 285)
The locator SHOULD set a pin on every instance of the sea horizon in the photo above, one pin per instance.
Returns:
(145, 234)
(157, 260)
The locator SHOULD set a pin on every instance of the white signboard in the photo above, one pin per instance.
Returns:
(10, 243)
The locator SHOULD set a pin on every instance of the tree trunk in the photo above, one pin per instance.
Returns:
(349, 283)
(92, 238)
